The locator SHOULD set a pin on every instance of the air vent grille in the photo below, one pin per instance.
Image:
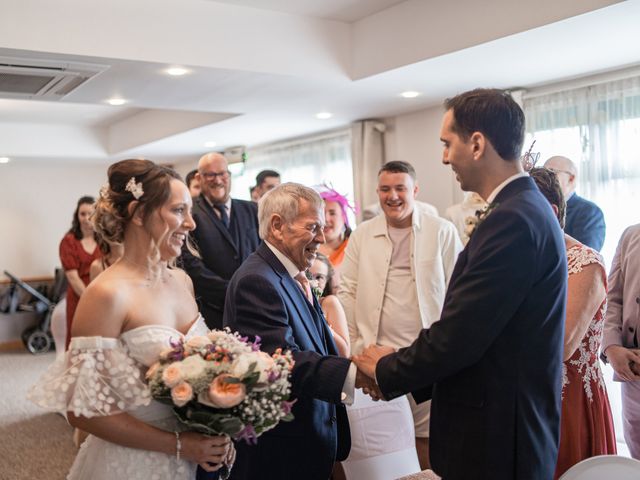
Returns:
(21, 78)
(23, 84)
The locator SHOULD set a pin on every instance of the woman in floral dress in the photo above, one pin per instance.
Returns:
(586, 428)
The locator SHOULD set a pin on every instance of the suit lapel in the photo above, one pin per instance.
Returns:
(224, 231)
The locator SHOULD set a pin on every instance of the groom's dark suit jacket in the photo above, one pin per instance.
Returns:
(263, 300)
(493, 363)
(222, 251)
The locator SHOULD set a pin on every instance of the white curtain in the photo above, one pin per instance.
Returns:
(598, 127)
(368, 157)
(310, 161)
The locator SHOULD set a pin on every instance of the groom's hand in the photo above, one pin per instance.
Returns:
(369, 357)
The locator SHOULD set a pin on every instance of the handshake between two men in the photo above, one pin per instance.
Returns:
(366, 363)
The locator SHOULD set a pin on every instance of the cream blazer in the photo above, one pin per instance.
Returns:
(363, 273)
(623, 298)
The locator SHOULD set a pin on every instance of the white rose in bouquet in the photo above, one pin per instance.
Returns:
(193, 367)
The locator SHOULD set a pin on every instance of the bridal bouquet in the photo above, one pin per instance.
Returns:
(221, 384)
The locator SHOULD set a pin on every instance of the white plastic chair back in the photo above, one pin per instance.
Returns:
(604, 467)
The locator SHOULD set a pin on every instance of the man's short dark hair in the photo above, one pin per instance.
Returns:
(262, 176)
(190, 176)
(398, 166)
(547, 182)
(492, 112)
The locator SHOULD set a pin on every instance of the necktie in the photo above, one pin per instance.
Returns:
(222, 209)
(304, 285)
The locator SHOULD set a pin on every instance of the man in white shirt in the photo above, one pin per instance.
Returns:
(395, 274)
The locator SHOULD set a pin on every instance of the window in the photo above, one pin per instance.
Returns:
(309, 161)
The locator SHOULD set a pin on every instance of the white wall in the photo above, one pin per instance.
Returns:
(415, 138)
(37, 201)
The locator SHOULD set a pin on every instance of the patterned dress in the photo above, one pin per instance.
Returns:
(586, 427)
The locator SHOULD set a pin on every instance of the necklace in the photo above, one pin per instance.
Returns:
(152, 275)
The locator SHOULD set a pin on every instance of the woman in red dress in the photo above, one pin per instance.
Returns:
(586, 427)
(78, 250)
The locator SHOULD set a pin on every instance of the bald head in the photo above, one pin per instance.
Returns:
(215, 180)
(566, 171)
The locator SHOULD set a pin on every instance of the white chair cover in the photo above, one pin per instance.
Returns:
(59, 327)
(604, 467)
(382, 439)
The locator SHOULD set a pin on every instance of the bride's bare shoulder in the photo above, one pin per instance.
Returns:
(102, 309)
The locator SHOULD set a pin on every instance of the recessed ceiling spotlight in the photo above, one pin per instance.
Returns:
(324, 115)
(116, 102)
(210, 144)
(410, 94)
(177, 71)
(4, 159)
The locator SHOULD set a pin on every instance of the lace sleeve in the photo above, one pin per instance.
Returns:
(580, 256)
(96, 377)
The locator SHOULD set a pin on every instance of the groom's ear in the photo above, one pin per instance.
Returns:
(478, 144)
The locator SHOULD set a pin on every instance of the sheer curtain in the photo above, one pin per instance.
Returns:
(311, 161)
(598, 127)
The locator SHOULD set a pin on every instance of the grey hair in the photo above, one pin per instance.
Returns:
(284, 200)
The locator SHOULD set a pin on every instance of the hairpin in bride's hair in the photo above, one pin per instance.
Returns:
(135, 188)
(530, 159)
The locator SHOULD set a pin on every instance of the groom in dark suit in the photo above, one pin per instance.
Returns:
(269, 297)
(226, 234)
(493, 363)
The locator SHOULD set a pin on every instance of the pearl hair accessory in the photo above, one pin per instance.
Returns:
(135, 188)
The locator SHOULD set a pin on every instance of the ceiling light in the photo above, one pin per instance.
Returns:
(116, 102)
(210, 144)
(4, 159)
(410, 94)
(177, 71)
(324, 115)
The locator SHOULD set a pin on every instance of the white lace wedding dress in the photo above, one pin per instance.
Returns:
(105, 376)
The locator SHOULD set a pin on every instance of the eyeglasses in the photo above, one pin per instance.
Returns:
(211, 175)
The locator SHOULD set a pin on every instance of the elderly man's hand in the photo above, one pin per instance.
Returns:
(368, 386)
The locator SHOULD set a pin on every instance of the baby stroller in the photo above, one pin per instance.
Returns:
(38, 338)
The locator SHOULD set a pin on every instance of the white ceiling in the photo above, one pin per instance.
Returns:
(261, 69)
(341, 10)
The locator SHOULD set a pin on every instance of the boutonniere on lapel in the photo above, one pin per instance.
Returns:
(313, 283)
(472, 223)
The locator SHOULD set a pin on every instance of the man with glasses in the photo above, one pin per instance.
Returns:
(226, 234)
(585, 221)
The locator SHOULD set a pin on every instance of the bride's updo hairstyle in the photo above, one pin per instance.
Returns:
(131, 180)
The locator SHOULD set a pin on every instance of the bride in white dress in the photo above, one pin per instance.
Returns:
(123, 321)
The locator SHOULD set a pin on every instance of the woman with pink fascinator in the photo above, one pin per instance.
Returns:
(337, 229)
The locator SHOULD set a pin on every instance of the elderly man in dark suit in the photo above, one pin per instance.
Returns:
(585, 221)
(493, 363)
(269, 296)
(226, 234)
